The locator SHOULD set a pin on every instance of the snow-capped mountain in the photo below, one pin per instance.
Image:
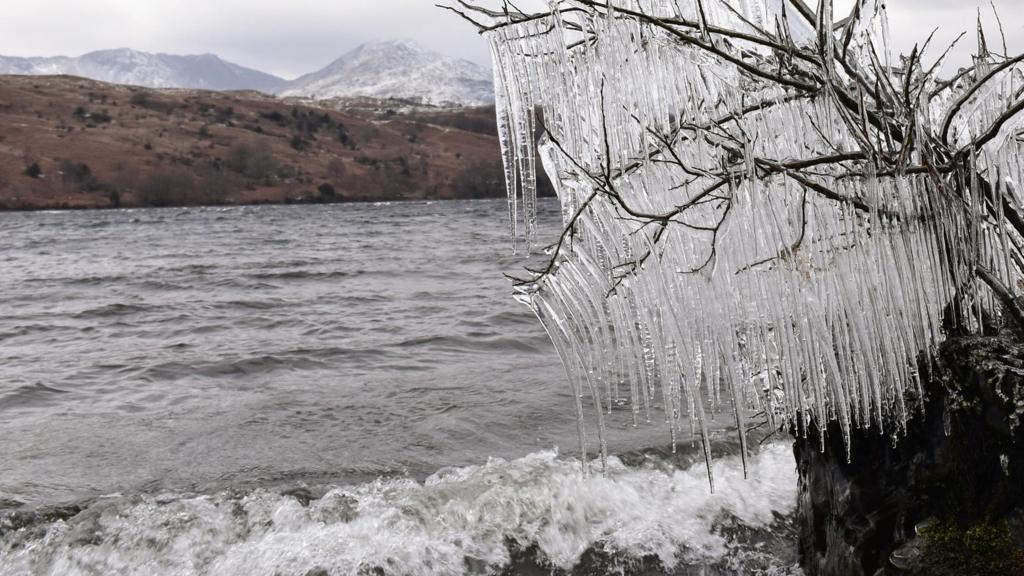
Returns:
(126, 66)
(397, 69)
(384, 69)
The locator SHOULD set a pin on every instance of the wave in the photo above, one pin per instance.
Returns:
(29, 394)
(294, 360)
(89, 280)
(486, 519)
(112, 310)
(264, 364)
(474, 342)
(302, 275)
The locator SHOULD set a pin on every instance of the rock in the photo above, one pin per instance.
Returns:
(908, 557)
(301, 494)
(962, 462)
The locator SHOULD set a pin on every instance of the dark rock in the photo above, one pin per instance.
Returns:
(338, 508)
(21, 527)
(10, 504)
(961, 462)
(302, 494)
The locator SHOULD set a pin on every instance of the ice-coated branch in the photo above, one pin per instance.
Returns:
(765, 214)
(971, 91)
(1011, 303)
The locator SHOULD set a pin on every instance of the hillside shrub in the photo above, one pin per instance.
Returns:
(166, 188)
(77, 174)
(253, 160)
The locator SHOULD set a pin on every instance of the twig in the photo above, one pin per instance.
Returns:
(1011, 303)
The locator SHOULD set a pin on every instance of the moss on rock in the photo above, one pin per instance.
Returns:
(986, 548)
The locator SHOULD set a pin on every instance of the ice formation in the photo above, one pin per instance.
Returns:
(751, 228)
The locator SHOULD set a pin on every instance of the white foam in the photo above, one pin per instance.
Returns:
(457, 522)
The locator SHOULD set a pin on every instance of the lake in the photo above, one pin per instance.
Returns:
(348, 388)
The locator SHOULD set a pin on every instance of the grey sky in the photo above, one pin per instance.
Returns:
(298, 36)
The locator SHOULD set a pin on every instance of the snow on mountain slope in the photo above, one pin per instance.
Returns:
(398, 69)
(384, 69)
(125, 66)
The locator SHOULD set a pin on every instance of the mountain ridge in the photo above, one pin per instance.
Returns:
(398, 68)
(150, 70)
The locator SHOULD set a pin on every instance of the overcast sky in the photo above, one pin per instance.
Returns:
(298, 36)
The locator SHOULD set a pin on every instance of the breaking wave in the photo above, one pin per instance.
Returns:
(487, 519)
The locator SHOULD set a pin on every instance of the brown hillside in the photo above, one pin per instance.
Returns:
(68, 142)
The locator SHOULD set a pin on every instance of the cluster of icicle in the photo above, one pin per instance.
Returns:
(765, 297)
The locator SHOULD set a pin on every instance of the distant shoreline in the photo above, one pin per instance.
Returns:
(69, 143)
(307, 202)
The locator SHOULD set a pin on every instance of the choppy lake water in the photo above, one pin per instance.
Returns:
(279, 390)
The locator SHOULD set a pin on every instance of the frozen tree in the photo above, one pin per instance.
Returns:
(765, 212)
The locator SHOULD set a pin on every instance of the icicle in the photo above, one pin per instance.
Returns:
(764, 292)
(502, 104)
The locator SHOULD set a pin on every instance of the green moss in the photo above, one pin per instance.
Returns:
(984, 549)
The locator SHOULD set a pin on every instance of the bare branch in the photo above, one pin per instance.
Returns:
(1011, 303)
(954, 109)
